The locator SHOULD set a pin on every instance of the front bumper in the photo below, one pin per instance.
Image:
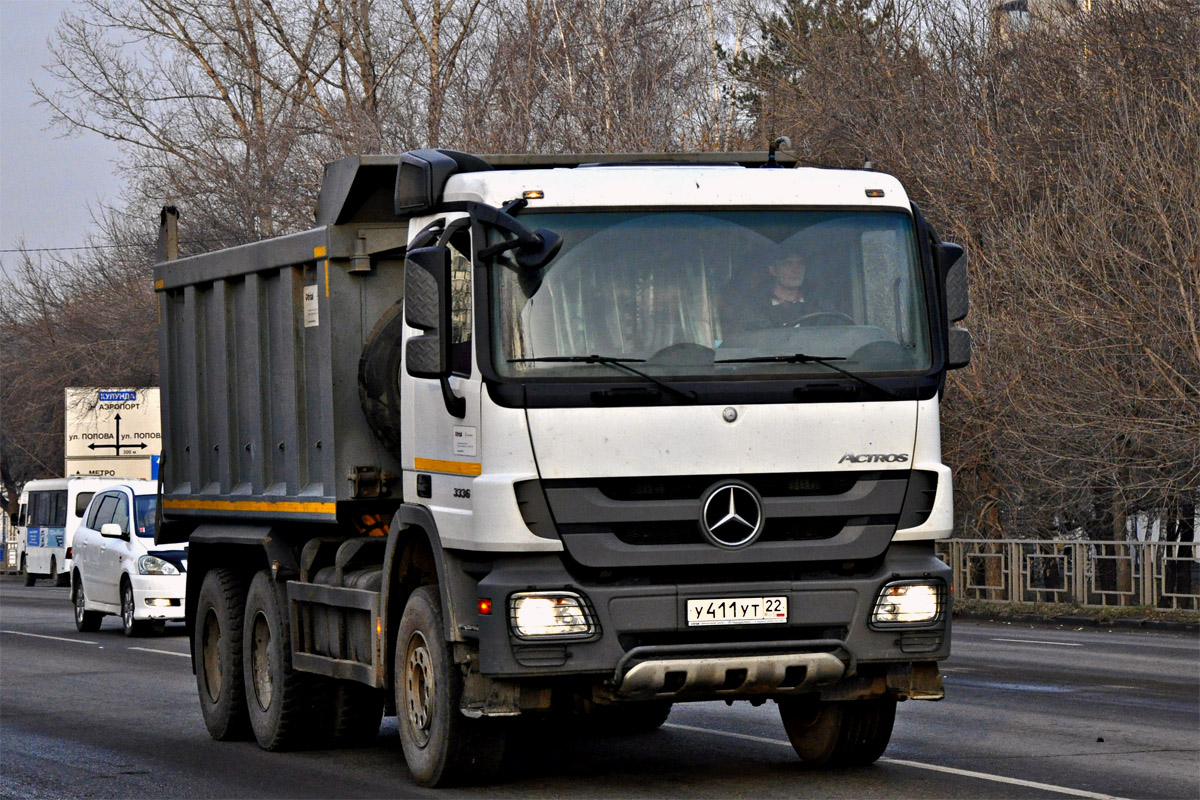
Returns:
(171, 588)
(643, 645)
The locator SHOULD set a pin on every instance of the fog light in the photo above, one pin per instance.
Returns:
(158, 602)
(535, 614)
(908, 602)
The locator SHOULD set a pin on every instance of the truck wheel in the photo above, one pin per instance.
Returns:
(85, 621)
(357, 713)
(217, 645)
(288, 709)
(29, 577)
(838, 734)
(442, 747)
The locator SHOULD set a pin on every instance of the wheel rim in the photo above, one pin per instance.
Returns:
(127, 607)
(419, 688)
(210, 637)
(79, 605)
(260, 662)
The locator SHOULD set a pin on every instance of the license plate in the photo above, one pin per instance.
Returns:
(737, 611)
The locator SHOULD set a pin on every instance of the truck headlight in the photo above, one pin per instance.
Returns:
(909, 602)
(153, 565)
(536, 614)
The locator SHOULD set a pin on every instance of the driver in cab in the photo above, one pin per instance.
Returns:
(779, 298)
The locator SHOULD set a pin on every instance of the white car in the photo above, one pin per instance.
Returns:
(119, 570)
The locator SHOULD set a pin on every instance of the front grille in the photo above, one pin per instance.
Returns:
(655, 520)
(793, 529)
(692, 487)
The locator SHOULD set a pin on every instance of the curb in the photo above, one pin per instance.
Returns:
(1078, 620)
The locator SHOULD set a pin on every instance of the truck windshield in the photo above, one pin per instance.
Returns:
(714, 294)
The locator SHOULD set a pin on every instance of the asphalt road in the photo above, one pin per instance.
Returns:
(1030, 713)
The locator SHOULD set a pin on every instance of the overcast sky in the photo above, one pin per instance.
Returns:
(47, 182)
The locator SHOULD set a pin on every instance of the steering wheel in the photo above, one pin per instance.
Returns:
(815, 318)
(683, 354)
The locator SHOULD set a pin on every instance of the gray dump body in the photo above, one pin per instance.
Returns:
(261, 413)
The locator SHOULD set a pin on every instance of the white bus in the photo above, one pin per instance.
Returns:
(49, 513)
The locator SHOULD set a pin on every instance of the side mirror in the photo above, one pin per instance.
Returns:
(952, 266)
(111, 530)
(427, 308)
(960, 348)
(535, 249)
(422, 175)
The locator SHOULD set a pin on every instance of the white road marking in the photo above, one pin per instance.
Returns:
(55, 638)
(1039, 641)
(163, 652)
(967, 773)
(984, 776)
(730, 734)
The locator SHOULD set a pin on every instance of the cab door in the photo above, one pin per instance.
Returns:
(445, 447)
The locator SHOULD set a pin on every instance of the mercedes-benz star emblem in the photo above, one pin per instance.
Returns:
(732, 515)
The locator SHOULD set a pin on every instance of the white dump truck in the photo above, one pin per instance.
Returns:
(579, 436)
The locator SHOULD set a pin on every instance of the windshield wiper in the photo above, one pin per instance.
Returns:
(615, 363)
(803, 358)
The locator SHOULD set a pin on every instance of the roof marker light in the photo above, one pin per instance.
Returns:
(533, 194)
(874, 192)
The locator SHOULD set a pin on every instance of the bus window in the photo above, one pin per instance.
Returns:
(81, 502)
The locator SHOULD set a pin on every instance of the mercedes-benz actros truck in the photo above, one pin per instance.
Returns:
(572, 436)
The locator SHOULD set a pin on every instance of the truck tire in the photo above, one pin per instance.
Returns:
(357, 713)
(838, 734)
(85, 621)
(288, 709)
(217, 645)
(442, 747)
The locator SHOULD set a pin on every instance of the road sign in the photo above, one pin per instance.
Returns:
(112, 432)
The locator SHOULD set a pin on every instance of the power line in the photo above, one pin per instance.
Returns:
(63, 249)
(99, 247)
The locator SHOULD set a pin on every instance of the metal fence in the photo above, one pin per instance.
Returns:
(1087, 573)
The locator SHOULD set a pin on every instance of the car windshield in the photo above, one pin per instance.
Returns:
(714, 294)
(145, 508)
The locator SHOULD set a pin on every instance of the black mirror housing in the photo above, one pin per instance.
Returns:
(534, 258)
(422, 175)
(952, 266)
(427, 308)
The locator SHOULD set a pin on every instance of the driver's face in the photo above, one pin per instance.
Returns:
(788, 272)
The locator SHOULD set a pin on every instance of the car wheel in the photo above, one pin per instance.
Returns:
(29, 577)
(288, 709)
(85, 621)
(217, 643)
(442, 747)
(129, 625)
(838, 734)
